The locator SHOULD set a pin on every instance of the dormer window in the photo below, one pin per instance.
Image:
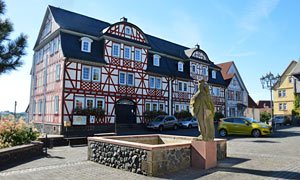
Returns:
(194, 68)
(127, 30)
(204, 71)
(213, 74)
(86, 44)
(180, 66)
(156, 59)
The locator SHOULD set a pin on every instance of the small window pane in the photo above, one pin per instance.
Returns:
(99, 104)
(151, 82)
(85, 46)
(185, 87)
(86, 73)
(96, 74)
(79, 102)
(157, 83)
(130, 79)
(138, 55)
(89, 103)
(122, 78)
(127, 52)
(147, 106)
(116, 49)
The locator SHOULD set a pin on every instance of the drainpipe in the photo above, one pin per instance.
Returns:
(44, 98)
(170, 97)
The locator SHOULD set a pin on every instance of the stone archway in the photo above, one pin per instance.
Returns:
(125, 111)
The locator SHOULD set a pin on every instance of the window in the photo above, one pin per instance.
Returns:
(127, 52)
(127, 30)
(151, 82)
(213, 74)
(213, 92)
(179, 86)
(51, 47)
(284, 106)
(86, 44)
(180, 66)
(218, 92)
(89, 103)
(47, 28)
(34, 81)
(161, 107)
(279, 93)
(122, 79)
(40, 106)
(100, 103)
(158, 83)
(156, 60)
(188, 108)
(96, 75)
(230, 95)
(283, 93)
(185, 87)
(57, 72)
(116, 50)
(182, 107)
(138, 55)
(194, 68)
(280, 106)
(154, 107)
(56, 105)
(239, 96)
(33, 107)
(177, 108)
(79, 102)
(290, 79)
(55, 44)
(148, 107)
(86, 71)
(204, 71)
(130, 79)
(45, 78)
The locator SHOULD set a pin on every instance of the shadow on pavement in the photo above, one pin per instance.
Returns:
(11, 165)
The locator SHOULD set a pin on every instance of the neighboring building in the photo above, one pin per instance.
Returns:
(296, 75)
(283, 92)
(253, 110)
(264, 105)
(236, 91)
(84, 63)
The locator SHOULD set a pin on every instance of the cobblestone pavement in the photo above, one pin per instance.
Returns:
(272, 157)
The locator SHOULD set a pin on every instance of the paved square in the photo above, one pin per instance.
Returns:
(273, 157)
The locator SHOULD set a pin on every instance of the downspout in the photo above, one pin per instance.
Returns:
(63, 96)
(44, 98)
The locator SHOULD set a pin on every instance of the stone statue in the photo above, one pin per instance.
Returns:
(202, 108)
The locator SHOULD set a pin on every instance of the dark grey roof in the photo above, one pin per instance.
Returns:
(71, 47)
(296, 69)
(168, 67)
(219, 78)
(77, 22)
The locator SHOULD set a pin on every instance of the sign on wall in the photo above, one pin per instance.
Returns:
(92, 119)
(79, 120)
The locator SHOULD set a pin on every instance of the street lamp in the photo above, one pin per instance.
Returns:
(268, 81)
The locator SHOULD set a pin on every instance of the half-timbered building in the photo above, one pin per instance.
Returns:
(84, 63)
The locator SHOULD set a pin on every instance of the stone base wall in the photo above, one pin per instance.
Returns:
(20, 153)
(121, 157)
(49, 128)
(221, 149)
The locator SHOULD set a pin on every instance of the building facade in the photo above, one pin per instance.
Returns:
(253, 110)
(283, 92)
(236, 94)
(81, 63)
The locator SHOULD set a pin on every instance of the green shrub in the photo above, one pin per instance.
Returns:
(265, 116)
(98, 112)
(149, 115)
(16, 133)
(182, 115)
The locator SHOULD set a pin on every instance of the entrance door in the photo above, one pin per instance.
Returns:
(125, 111)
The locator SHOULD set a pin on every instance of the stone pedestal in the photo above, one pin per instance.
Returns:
(204, 154)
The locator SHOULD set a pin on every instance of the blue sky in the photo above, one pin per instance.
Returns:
(258, 35)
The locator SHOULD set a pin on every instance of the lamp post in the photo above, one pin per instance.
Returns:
(268, 81)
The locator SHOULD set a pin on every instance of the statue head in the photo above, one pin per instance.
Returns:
(202, 86)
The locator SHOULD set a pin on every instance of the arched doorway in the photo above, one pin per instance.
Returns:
(125, 111)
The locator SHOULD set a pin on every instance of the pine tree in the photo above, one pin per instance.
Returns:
(11, 51)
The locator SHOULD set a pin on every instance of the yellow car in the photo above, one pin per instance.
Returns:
(243, 125)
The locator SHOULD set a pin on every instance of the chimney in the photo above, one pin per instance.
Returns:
(123, 19)
(197, 46)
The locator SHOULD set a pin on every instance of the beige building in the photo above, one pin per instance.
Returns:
(252, 110)
(283, 92)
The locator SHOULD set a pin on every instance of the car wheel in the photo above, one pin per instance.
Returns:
(160, 128)
(175, 127)
(190, 126)
(223, 133)
(255, 133)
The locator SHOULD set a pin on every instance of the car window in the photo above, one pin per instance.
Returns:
(229, 120)
(239, 121)
(169, 118)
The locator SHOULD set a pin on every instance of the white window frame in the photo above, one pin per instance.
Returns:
(89, 43)
(218, 92)
(279, 93)
(157, 87)
(284, 106)
(102, 102)
(138, 51)
(280, 106)
(213, 91)
(86, 101)
(128, 28)
(187, 87)
(156, 60)
(284, 93)
(129, 55)
(152, 77)
(82, 74)
(146, 106)
(204, 71)
(180, 66)
(194, 70)
(152, 105)
(180, 82)
(81, 99)
(124, 78)
(57, 72)
(56, 104)
(113, 50)
(128, 79)
(98, 70)
(213, 74)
